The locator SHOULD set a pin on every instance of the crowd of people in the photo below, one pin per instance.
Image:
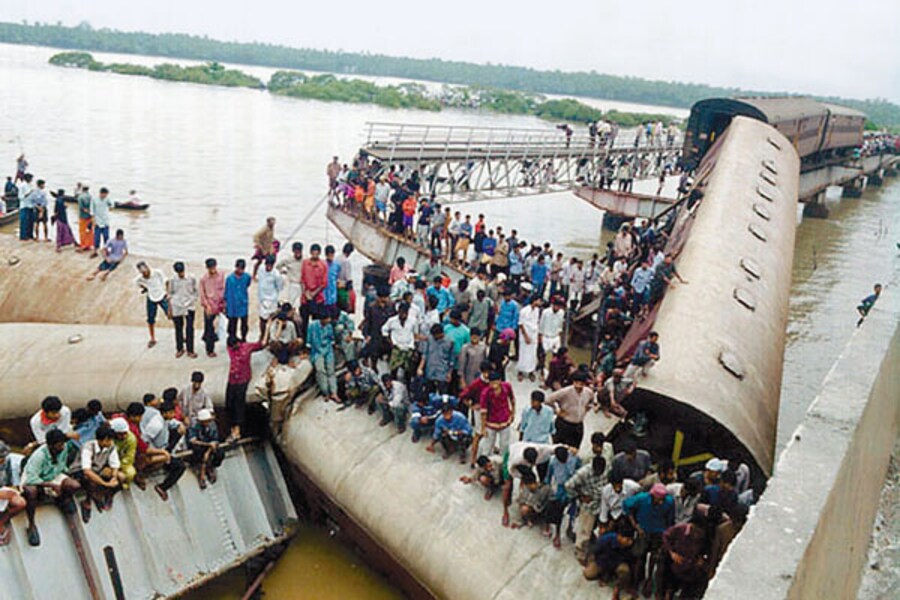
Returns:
(437, 355)
(431, 356)
(36, 209)
(878, 143)
(80, 459)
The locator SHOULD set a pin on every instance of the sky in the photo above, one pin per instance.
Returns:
(824, 47)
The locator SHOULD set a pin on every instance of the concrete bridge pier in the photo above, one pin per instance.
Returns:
(855, 187)
(876, 178)
(815, 208)
(613, 222)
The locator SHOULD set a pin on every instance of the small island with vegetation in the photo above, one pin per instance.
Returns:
(333, 89)
(415, 95)
(211, 73)
(329, 88)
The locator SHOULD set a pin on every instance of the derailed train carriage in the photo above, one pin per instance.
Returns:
(817, 131)
(715, 391)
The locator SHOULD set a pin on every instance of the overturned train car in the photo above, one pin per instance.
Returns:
(715, 391)
(817, 131)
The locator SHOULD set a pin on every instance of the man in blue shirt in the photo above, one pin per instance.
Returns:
(507, 313)
(867, 303)
(444, 297)
(537, 423)
(644, 357)
(436, 364)
(640, 284)
(610, 555)
(331, 287)
(539, 272)
(85, 422)
(237, 299)
(454, 432)
(650, 513)
(320, 338)
(425, 411)
(516, 265)
(458, 333)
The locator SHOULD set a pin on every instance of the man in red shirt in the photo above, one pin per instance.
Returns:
(498, 407)
(314, 277)
(470, 397)
(212, 298)
(239, 374)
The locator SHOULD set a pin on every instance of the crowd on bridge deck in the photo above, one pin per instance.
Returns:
(875, 143)
(81, 459)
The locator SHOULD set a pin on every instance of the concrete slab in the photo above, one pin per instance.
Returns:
(814, 519)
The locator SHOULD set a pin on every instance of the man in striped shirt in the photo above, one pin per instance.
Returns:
(587, 485)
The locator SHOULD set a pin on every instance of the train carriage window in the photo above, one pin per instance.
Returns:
(751, 267)
(774, 142)
(757, 232)
(762, 211)
(731, 363)
(769, 165)
(745, 298)
(768, 193)
(768, 177)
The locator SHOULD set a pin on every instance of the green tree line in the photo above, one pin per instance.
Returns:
(589, 84)
(212, 73)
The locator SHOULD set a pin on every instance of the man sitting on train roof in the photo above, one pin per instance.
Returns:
(52, 415)
(11, 501)
(453, 430)
(45, 476)
(203, 438)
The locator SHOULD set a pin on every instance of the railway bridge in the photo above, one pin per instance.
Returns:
(461, 164)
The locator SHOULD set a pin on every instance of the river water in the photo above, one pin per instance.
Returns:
(214, 162)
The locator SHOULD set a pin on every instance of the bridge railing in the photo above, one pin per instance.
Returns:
(432, 139)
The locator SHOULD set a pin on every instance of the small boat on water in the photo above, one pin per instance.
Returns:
(11, 206)
(120, 205)
(7, 218)
(130, 206)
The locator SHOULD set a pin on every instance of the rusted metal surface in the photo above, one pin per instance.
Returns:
(161, 548)
(691, 389)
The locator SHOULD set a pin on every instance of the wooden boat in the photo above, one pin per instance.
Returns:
(12, 206)
(7, 218)
(130, 206)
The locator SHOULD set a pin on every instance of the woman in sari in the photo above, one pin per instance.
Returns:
(64, 235)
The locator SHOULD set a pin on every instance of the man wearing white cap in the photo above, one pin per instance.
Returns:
(126, 447)
(203, 438)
